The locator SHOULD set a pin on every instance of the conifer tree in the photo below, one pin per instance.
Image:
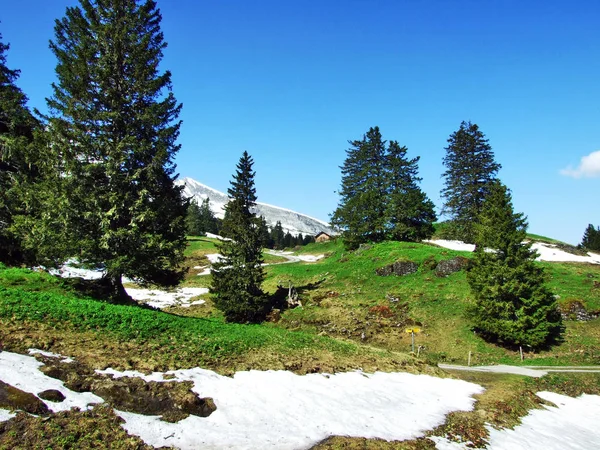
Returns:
(192, 219)
(263, 231)
(277, 236)
(237, 277)
(409, 214)
(207, 219)
(470, 168)
(361, 211)
(512, 303)
(113, 125)
(591, 238)
(17, 162)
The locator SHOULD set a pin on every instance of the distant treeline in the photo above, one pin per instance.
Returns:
(201, 220)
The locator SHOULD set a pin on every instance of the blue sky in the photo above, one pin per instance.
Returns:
(292, 82)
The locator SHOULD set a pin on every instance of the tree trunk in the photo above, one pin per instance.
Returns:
(115, 291)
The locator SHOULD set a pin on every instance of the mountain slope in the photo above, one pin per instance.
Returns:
(291, 221)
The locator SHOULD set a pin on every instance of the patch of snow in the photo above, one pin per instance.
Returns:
(6, 415)
(452, 245)
(278, 409)
(22, 372)
(214, 257)
(70, 270)
(442, 443)
(204, 272)
(547, 252)
(162, 299)
(35, 351)
(310, 258)
(571, 425)
(216, 236)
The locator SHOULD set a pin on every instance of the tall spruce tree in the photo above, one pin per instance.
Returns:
(512, 303)
(591, 238)
(113, 124)
(237, 277)
(409, 214)
(361, 213)
(470, 168)
(193, 224)
(17, 162)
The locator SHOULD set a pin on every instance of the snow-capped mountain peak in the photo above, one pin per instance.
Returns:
(291, 221)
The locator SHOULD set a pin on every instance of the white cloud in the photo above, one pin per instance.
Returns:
(589, 167)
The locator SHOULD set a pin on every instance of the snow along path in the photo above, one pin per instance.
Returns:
(547, 252)
(528, 371)
(570, 425)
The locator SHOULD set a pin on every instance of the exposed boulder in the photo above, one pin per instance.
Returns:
(398, 268)
(52, 395)
(449, 266)
(16, 399)
(575, 310)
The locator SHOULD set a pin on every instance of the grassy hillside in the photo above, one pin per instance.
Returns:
(350, 318)
(343, 297)
(39, 310)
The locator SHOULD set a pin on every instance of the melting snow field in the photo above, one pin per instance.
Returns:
(278, 409)
(162, 299)
(572, 424)
(547, 252)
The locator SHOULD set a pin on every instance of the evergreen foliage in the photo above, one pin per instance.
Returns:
(361, 212)
(470, 168)
(380, 197)
(512, 303)
(277, 236)
(17, 163)
(237, 277)
(113, 127)
(192, 219)
(591, 238)
(410, 213)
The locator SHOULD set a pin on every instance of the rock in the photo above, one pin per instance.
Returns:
(449, 266)
(52, 395)
(13, 398)
(399, 268)
(575, 310)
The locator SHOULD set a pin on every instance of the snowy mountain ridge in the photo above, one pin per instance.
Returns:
(291, 221)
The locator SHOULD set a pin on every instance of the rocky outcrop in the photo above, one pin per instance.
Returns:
(399, 268)
(449, 266)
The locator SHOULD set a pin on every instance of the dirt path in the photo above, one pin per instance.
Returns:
(529, 371)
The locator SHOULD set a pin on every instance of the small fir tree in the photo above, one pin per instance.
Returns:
(113, 127)
(238, 276)
(512, 303)
(470, 168)
(591, 238)
(410, 214)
